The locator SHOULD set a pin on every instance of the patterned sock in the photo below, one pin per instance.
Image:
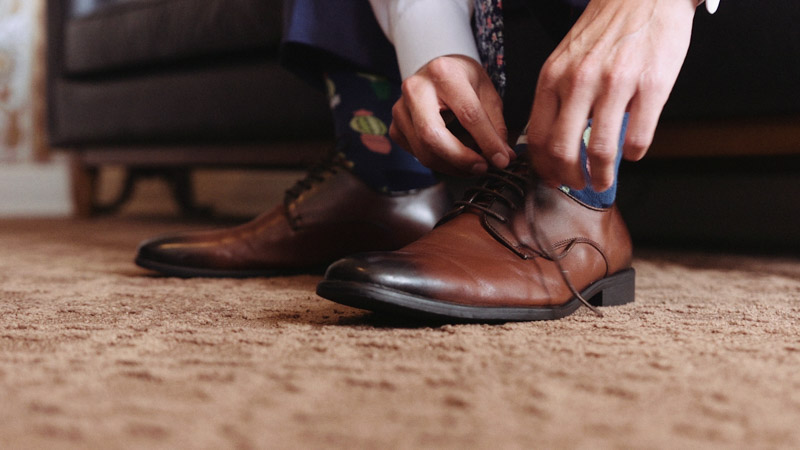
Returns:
(588, 195)
(362, 111)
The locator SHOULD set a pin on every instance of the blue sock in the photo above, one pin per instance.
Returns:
(588, 195)
(362, 111)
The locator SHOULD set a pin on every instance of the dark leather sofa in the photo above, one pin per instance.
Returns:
(162, 86)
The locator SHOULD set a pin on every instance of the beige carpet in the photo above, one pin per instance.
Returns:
(97, 353)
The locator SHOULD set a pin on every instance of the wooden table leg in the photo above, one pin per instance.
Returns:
(83, 178)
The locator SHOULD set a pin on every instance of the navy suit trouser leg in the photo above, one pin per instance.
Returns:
(323, 34)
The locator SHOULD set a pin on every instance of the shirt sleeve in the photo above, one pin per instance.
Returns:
(423, 30)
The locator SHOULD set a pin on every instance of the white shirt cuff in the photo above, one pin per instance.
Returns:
(423, 30)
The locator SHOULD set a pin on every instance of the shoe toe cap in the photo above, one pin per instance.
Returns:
(386, 269)
(164, 250)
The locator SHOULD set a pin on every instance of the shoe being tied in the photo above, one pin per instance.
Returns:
(507, 252)
(327, 215)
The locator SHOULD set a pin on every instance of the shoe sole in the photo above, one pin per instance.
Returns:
(194, 272)
(617, 289)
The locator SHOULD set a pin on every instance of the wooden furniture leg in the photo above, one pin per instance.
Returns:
(83, 178)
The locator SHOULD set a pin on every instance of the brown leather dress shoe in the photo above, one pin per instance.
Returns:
(506, 253)
(328, 215)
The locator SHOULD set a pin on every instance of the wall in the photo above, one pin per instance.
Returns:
(32, 182)
(17, 53)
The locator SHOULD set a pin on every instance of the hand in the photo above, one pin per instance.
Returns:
(460, 85)
(620, 55)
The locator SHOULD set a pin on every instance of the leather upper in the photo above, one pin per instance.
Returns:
(486, 253)
(335, 216)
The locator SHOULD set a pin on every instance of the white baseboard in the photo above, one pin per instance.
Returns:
(35, 190)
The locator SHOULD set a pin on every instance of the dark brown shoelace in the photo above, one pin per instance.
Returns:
(332, 163)
(538, 236)
(316, 174)
(490, 188)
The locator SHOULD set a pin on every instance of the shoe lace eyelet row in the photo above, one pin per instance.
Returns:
(491, 188)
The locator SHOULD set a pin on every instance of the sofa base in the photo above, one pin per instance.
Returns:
(174, 165)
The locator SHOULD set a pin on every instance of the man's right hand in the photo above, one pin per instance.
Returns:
(460, 85)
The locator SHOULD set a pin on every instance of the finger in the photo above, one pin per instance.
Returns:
(460, 97)
(604, 141)
(399, 138)
(402, 131)
(577, 91)
(464, 87)
(430, 131)
(564, 148)
(401, 122)
(644, 113)
(493, 106)
(543, 114)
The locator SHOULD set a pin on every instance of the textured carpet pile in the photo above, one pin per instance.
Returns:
(97, 353)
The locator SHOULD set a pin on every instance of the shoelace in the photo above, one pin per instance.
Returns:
(538, 236)
(481, 196)
(491, 188)
(316, 174)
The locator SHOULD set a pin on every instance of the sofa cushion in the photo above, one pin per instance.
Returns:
(82, 8)
(103, 35)
(241, 101)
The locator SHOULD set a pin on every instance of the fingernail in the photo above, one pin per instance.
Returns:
(479, 168)
(500, 160)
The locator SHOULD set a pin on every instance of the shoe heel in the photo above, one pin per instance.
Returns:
(620, 289)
